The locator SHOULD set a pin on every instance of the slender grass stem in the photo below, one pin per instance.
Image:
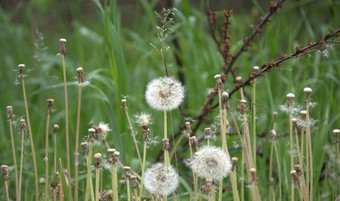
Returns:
(36, 179)
(76, 159)
(14, 159)
(193, 174)
(128, 189)
(254, 117)
(67, 131)
(55, 160)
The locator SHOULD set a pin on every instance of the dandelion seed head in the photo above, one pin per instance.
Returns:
(143, 119)
(211, 162)
(164, 93)
(161, 180)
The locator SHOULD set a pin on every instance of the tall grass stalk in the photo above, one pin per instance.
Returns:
(125, 108)
(278, 170)
(10, 117)
(36, 179)
(49, 111)
(63, 52)
(127, 181)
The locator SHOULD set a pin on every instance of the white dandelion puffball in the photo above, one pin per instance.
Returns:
(211, 162)
(164, 93)
(161, 180)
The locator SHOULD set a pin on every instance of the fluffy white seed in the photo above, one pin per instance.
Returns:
(164, 93)
(161, 180)
(211, 162)
(143, 119)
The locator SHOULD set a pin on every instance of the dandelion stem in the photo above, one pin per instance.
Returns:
(89, 185)
(143, 169)
(279, 171)
(77, 147)
(21, 163)
(310, 151)
(7, 193)
(46, 155)
(254, 121)
(114, 183)
(55, 160)
(133, 134)
(128, 189)
(97, 183)
(31, 142)
(67, 131)
(15, 160)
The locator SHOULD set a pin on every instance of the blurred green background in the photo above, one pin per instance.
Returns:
(118, 61)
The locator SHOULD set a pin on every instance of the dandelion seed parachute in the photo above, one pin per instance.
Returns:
(164, 93)
(211, 162)
(161, 180)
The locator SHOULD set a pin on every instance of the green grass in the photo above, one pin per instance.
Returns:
(119, 61)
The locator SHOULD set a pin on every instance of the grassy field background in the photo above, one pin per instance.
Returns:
(118, 60)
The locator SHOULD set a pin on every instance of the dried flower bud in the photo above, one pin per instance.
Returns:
(10, 114)
(98, 160)
(21, 69)
(146, 133)
(256, 68)
(234, 163)
(22, 126)
(49, 105)
(166, 144)
(85, 148)
(92, 135)
(290, 99)
(275, 116)
(42, 180)
(253, 175)
(62, 46)
(307, 91)
(4, 172)
(274, 135)
(126, 174)
(123, 106)
(135, 183)
(105, 195)
(271, 181)
(55, 128)
(295, 178)
(81, 76)
(194, 142)
(218, 79)
(238, 80)
(298, 169)
(207, 133)
(242, 107)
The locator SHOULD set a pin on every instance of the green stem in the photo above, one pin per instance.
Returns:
(279, 171)
(77, 148)
(310, 151)
(21, 163)
(128, 189)
(15, 161)
(55, 161)
(254, 121)
(36, 180)
(143, 169)
(67, 132)
(97, 184)
(114, 183)
(46, 155)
